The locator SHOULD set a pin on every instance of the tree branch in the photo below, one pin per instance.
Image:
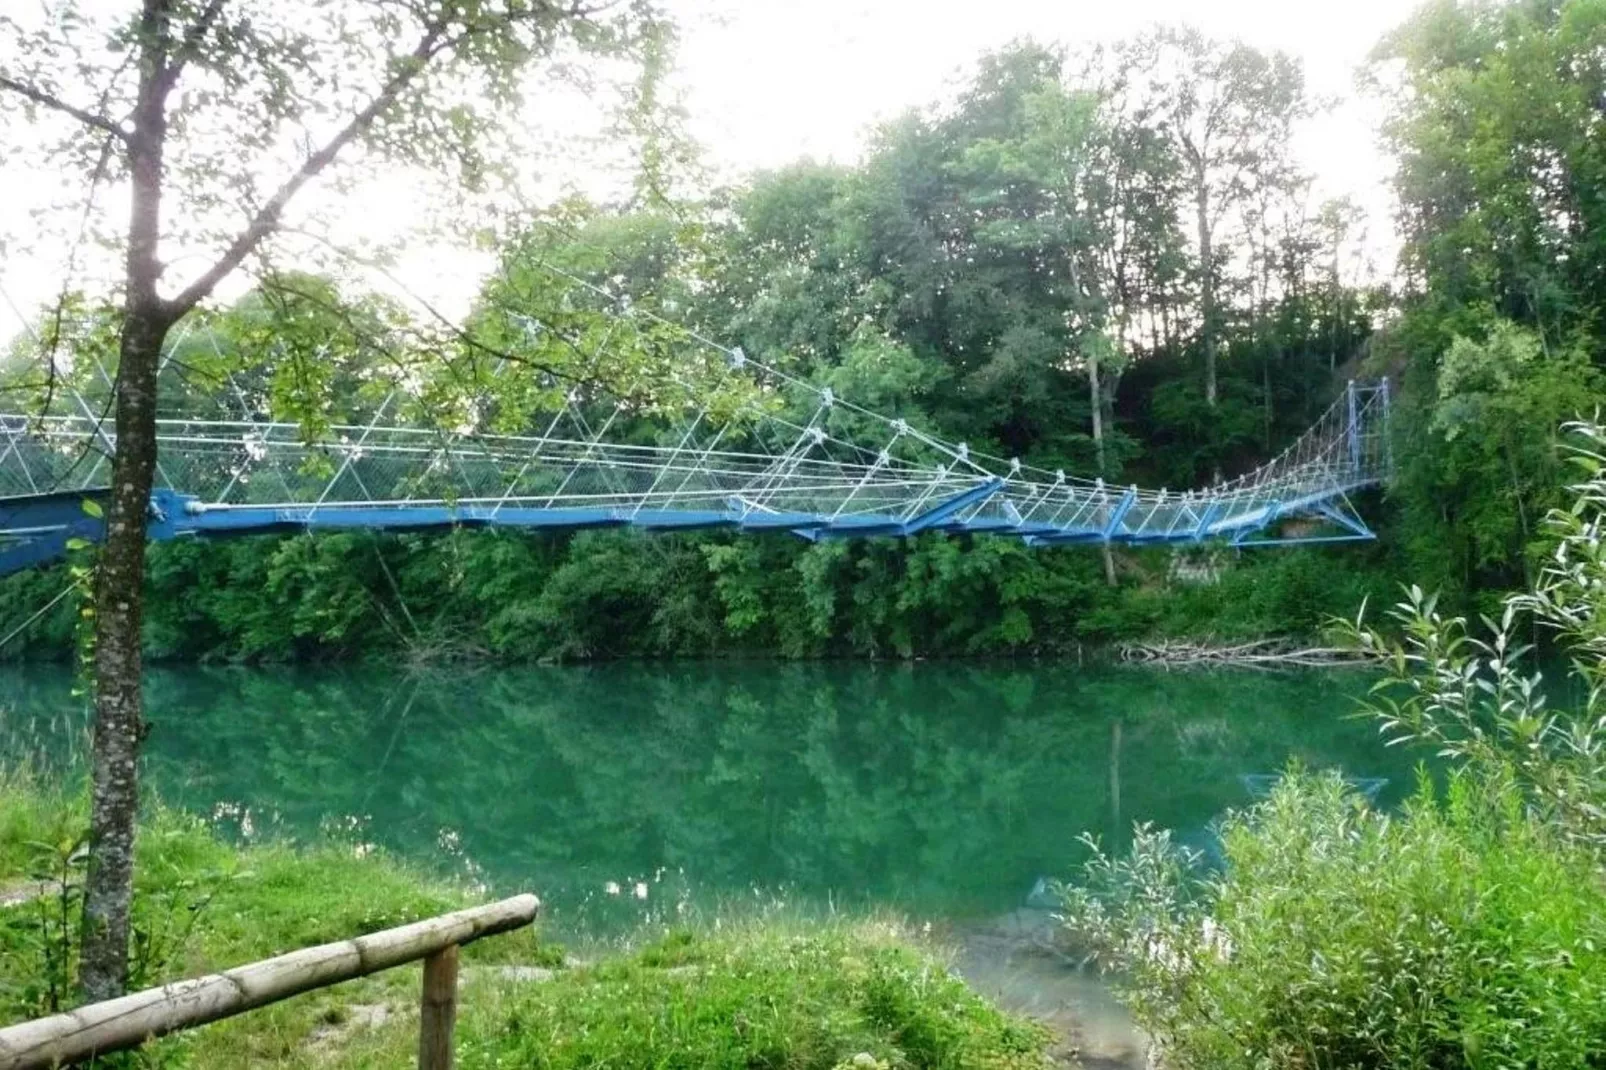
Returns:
(278, 285)
(55, 103)
(194, 38)
(267, 217)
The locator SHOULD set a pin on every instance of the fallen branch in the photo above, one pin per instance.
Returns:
(1255, 654)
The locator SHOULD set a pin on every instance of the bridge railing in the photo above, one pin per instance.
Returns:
(233, 477)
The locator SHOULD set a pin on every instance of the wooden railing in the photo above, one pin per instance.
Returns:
(129, 1021)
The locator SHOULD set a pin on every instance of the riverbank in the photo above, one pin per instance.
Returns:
(503, 597)
(940, 792)
(775, 991)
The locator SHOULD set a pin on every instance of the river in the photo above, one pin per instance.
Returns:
(939, 789)
(626, 793)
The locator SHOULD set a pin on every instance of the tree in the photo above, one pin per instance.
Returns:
(1493, 116)
(1228, 111)
(194, 104)
(1061, 150)
(1494, 112)
(1340, 224)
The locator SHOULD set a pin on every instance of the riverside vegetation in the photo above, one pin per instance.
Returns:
(760, 991)
(1048, 253)
(1020, 269)
(1466, 931)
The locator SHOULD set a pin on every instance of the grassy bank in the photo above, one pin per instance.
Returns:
(771, 993)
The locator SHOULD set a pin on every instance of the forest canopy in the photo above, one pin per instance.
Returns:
(1102, 261)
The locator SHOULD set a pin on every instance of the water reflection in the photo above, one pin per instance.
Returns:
(942, 789)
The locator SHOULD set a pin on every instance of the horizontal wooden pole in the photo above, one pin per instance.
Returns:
(129, 1021)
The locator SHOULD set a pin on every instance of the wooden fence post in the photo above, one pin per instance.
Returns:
(437, 1011)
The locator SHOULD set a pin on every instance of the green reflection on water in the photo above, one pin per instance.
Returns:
(941, 789)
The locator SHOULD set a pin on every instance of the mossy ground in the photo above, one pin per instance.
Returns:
(783, 993)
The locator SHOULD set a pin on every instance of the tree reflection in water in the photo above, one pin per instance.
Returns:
(942, 789)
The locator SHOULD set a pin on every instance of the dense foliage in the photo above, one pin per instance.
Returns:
(1454, 934)
(1014, 270)
(1493, 126)
(1105, 262)
(599, 595)
(1468, 930)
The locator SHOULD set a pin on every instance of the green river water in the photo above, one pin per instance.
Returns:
(624, 791)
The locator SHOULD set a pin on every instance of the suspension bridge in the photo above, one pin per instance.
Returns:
(794, 458)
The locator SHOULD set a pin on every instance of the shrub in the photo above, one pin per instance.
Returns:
(1466, 931)
(1457, 933)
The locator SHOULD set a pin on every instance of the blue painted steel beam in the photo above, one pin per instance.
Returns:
(989, 526)
(1068, 538)
(39, 512)
(937, 518)
(781, 521)
(1127, 501)
(50, 546)
(1270, 516)
(1343, 519)
(684, 520)
(1203, 527)
(43, 524)
(953, 506)
(1301, 540)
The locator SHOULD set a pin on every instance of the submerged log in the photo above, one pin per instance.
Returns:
(128, 1021)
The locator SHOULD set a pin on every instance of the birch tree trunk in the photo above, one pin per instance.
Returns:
(119, 583)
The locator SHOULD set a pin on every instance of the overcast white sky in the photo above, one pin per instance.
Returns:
(768, 81)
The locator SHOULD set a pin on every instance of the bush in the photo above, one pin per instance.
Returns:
(1455, 934)
(1467, 931)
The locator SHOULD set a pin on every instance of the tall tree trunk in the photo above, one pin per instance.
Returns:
(1207, 285)
(1332, 344)
(1265, 390)
(119, 722)
(1096, 404)
(147, 318)
(1096, 397)
(1261, 338)
(119, 587)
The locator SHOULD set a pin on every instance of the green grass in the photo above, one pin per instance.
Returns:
(766, 995)
(32, 813)
(784, 993)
